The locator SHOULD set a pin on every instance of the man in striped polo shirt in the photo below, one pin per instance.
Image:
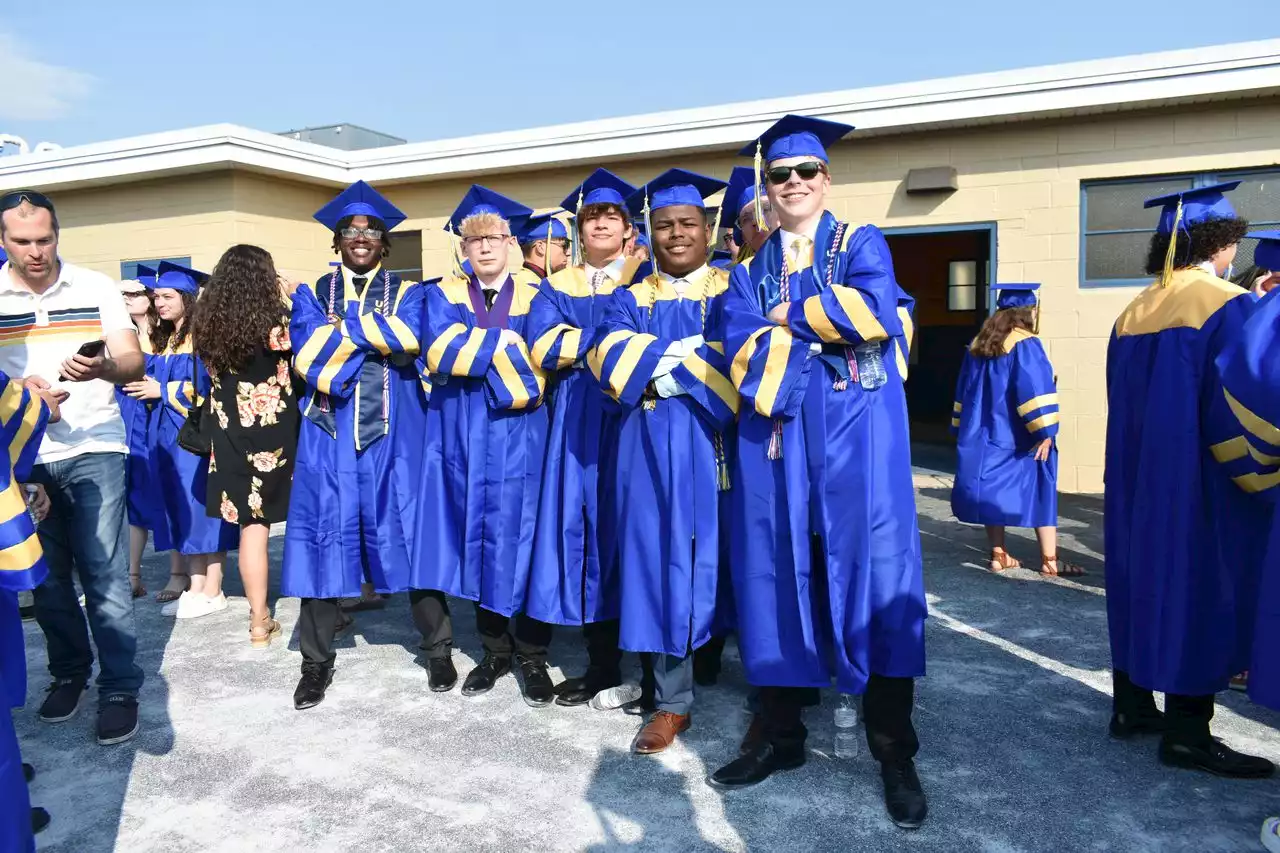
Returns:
(49, 310)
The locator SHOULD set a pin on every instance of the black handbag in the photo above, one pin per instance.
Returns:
(194, 437)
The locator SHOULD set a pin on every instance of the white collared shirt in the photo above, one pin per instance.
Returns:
(680, 285)
(40, 331)
(612, 271)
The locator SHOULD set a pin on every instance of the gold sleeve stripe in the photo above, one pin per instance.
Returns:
(816, 316)
(437, 350)
(1037, 403)
(864, 322)
(1042, 422)
(714, 380)
(1255, 424)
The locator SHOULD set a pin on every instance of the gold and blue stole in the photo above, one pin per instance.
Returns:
(23, 418)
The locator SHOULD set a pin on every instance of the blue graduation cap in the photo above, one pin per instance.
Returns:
(145, 276)
(1191, 207)
(796, 136)
(1267, 253)
(673, 187)
(600, 187)
(484, 200)
(1016, 295)
(741, 192)
(179, 278)
(359, 199)
(544, 226)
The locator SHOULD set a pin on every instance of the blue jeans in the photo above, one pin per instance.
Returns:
(87, 528)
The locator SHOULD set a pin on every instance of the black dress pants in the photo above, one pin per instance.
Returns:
(1186, 718)
(431, 616)
(602, 638)
(886, 711)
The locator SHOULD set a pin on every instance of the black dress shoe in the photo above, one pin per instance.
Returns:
(28, 772)
(1215, 757)
(903, 795)
(573, 692)
(486, 674)
(315, 680)
(39, 819)
(538, 691)
(1125, 724)
(756, 766)
(441, 675)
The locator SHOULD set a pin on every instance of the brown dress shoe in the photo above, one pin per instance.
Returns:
(660, 732)
(754, 736)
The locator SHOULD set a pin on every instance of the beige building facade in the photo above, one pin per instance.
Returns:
(1035, 176)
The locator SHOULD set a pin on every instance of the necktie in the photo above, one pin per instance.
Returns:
(802, 253)
(596, 281)
(360, 281)
(490, 297)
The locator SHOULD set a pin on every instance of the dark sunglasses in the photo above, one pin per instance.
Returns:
(807, 171)
(11, 200)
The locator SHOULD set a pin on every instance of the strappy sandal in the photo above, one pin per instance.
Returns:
(1002, 561)
(170, 593)
(135, 582)
(260, 636)
(1053, 567)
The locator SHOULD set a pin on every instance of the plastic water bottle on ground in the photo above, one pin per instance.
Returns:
(846, 720)
(871, 372)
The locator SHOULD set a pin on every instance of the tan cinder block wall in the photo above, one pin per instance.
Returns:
(1024, 177)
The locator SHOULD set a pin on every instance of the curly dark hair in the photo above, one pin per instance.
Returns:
(990, 340)
(1196, 243)
(164, 330)
(241, 304)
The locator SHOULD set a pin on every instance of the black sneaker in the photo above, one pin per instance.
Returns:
(117, 719)
(65, 696)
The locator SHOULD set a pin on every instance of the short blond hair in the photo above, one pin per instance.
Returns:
(480, 224)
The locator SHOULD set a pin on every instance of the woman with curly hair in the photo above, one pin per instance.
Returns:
(241, 332)
(1005, 421)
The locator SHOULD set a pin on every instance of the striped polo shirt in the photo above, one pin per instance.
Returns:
(40, 331)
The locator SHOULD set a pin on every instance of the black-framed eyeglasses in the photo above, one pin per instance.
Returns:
(563, 244)
(11, 200)
(357, 233)
(807, 171)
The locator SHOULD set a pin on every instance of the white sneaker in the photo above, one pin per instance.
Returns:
(196, 605)
(1271, 834)
(171, 608)
(615, 697)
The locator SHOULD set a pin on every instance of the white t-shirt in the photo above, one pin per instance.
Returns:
(39, 332)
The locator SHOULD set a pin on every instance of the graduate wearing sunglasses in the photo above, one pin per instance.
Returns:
(825, 557)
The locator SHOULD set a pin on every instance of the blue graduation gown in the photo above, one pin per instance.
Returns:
(1245, 436)
(854, 604)
(1182, 542)
(22, 567)
(482, 466)
(670, 459)
(573, 578)
(355, 484)
(1004, 408)
(143, 499)
(180, 477)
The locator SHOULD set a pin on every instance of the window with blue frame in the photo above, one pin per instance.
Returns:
(1116, 229)
(129, 269)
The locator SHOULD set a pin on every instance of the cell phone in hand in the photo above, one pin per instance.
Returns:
(91, 349)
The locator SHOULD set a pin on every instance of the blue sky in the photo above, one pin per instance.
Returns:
(429, 70)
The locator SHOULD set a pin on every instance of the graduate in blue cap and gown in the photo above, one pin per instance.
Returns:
(482, 473)
(747, 210)
(355, 336)
(1183, 544)
(573, 580)
(176, 380)
(826, 555)
(544, 242)
(661, 356)
(23, 419)
(1005, 420)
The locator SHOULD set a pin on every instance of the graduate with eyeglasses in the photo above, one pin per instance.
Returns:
(661, 356)
(482, 472)
(544, 242)
(355, 336)
(825, 556)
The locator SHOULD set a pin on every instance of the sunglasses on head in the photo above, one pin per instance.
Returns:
(11, 200)
(807, 172)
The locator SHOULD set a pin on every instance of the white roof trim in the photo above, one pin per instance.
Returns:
(1129, 82)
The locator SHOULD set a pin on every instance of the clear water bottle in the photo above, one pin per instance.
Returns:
(871, 372)
(846, 719)
(31, 490)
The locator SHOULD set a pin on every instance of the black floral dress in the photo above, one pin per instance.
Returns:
(255, 436)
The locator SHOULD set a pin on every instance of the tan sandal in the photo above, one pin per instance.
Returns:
(1055, 568)
(260, 636)
(169, 593)
(1002, 561)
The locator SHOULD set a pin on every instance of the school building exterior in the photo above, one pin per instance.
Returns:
(1030, 175)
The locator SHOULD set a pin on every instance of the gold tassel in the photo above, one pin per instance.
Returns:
(715, 231)
(759, 175)
(576, 243)
(648, 228)
(1169, 256)
(455, 243)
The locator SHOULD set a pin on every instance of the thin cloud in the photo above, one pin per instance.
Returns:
(31, 90)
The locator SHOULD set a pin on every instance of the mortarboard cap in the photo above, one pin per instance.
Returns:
(674, 187)
(179, 278)
(797, 136)
(359, 199)
(484, 200)
(1198, 205)
(740, 193)
(535, 229)
(600, 187)
(1016, 295)
(1267, 253)
(143, 279)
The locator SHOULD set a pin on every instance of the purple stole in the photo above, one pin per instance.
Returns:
(497, 316)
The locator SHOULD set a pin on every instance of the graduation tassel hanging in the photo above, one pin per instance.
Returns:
(758, 204)
(650, 396)
(1172, 253)
(576, 243)
(455, 244)
(715, 231)
(722, 464)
